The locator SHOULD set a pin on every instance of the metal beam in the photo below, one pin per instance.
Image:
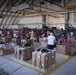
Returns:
(16, 17)
(6, 6)
(8, 11)
(19, 3)
(2, 3)
(10, 15)
(64, 2)
(11, 19)
(44, 7)
(68, 2)
(6, 20)
(3, 20)
(54, 3)
(3, 7)
(17, 20)
(69, 7)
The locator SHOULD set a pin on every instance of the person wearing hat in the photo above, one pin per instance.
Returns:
(51, 41)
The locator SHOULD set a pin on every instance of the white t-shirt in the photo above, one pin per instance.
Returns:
(51, 40)
(0, 32)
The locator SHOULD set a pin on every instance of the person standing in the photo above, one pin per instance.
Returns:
(51, 41)
(68, 38)
(62, 39)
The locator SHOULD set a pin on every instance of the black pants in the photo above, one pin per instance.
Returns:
(51, 46)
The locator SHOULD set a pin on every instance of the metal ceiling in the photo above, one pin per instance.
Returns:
(7, 5)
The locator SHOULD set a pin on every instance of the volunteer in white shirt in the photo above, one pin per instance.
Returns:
(51, 41)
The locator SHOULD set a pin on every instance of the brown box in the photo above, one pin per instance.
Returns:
(17, 41)
(34, 58)
(30, 42)
(1, 52)
(32, 49)
(16, 51)
(64, 48)
(7, 39)
(53, 56)
(38, 59)
(24, 53)
(44, 60)
(5, 51)
(27, 54)
(49, 58)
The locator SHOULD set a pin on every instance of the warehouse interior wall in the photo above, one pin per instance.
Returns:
(72, 19)
(14, 26)
(56, 21)
(31, 22)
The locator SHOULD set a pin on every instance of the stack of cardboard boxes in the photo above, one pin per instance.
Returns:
(43, 60)
(6, 49)
(24, 53)
(7, 39)
(17, 41)
(64, 48)
(30, 42)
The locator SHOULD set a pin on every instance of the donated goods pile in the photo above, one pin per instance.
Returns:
(24, 53)
(7, 39)
(17, 41)
(7, 48)
(28, 41)
(43, 58)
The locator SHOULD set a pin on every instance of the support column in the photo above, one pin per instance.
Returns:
(43, 20)
(67, 21)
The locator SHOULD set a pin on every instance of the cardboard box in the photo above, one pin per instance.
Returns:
(32, 49)
(17, 41)
(24, 53)
(6, 48)
(15, 52)
(53, 56)
(34, 58)
(1, 52)
(27, 54)
(38, 59)
(7, 39)
(5, 51)
(44, 61)
(18, 52)
(49, 58)
(30, 42)
(64, 48)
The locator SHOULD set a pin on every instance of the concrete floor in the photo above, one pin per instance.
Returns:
(67, 69)
(8, 64)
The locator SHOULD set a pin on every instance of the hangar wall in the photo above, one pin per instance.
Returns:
(56, 21)
(31, 22)
(72, 19)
